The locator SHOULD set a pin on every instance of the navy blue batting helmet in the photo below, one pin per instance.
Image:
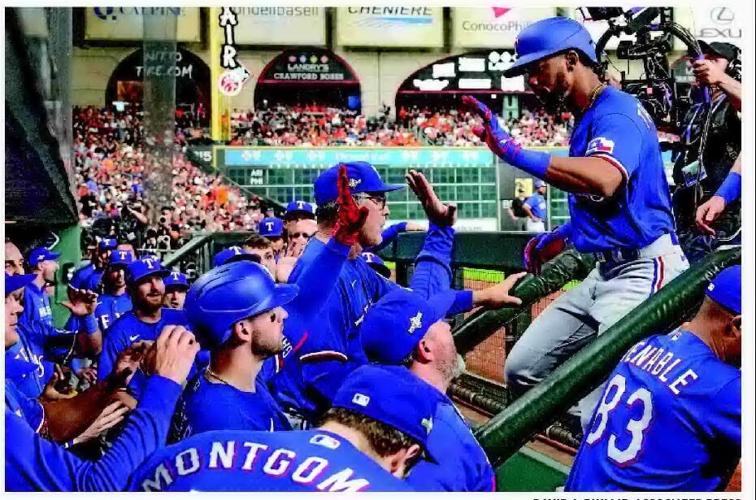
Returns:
(548, 37)
(228, 294)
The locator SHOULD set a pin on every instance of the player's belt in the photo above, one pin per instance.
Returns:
(663, 245)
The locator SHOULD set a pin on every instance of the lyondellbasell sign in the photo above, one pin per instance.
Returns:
(234, 77)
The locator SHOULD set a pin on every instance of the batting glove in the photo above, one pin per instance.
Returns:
(544, 247)
(350, 218)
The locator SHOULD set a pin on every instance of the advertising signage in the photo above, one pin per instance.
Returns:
(280, 26)
(493, 27)
(390, 26)
(311, 65)
(126, 23)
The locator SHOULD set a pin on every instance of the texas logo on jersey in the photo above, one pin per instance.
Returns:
(600, 145)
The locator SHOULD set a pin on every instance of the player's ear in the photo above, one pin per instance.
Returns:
(735, 326)
(571, 58)
(399, 461)
(242, 330)
(423, 352)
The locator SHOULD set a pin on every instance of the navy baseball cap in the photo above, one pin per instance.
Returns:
(107, 244)
(363, 178)
(376, 263)
(396, 323)
(121, 258)
(298, 207)
(176, 279)
(547, 37)
(41, 254)
(724, 289)
(233, 254)
(271, 227)
(141, 268)
(16, 282)
(722, 49)
(378, 391)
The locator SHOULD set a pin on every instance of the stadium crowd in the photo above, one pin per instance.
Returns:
(110, 162)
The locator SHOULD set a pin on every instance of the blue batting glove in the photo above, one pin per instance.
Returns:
(503, 145)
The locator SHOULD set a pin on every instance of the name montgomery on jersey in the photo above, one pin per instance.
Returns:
(251, 456)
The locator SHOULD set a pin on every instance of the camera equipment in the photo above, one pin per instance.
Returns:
(163, 220)
(653, 33)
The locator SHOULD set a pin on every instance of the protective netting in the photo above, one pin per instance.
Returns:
(160, 55)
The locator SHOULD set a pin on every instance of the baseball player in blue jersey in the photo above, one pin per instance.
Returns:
(403, 328)
(176, 287)
(33, 463)
(363, 444)
(233, 254)
(144, 279)
(89, 276)
(273, 229)
(42, 263)
(669, 419)
(296, 211)
(237, 312)
(115, 300)
(332, 348)
(535, 207)
(619, 200)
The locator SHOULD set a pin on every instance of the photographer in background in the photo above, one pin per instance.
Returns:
(720, 72)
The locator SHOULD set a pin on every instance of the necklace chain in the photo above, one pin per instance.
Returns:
(595, 93)
(208, 371)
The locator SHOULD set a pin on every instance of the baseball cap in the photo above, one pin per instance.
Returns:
(121, 258)
(271, 227)
(378, 391)
(16, 282)
(107, 244)
(548, 37)
(363, 178)
(721, 49)
(299, 207)
(176, 278)
(376, 263)
(724, 289)
(396, 323)
(539, 183)
(141, 268)
(233, 254)
(41, 254)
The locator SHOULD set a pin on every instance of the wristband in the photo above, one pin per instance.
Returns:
(533, 162)
(730, 188)
(90, 324)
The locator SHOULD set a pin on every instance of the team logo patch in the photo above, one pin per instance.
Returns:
(600, 145)
(353, 183)
(360, 399)
(427, 423)
(415, 322)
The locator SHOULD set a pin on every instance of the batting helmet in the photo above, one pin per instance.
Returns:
(228, 294)
(548, 37)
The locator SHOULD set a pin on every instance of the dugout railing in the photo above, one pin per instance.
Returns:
(480, 259)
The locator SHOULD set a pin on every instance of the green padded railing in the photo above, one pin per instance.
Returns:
(504, 434)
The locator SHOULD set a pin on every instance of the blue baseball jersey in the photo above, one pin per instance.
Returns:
(263, 461)
(537, 204)
(669, 420)
(18, 403)
(110, 308)
(35, 464)
(619, 130)
(462, 466)
(330, 347)
(129, 329)
(43, 345)
(206, 406)
(36, 306)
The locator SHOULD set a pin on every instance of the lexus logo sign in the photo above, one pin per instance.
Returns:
(722, 15)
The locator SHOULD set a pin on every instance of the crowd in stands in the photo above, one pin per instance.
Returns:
(450, 127)
(110, 162)
(317, 126)
(416, 126)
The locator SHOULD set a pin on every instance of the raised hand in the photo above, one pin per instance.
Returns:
(175, 351)
(498, 140)
(438, 212)
(81, 302)
(350, 217)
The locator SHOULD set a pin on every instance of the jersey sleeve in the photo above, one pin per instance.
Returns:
(432, 271)
(35, 464)
(111, 346)
(617, 139)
